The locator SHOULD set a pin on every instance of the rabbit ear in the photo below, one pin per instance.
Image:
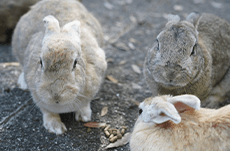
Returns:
(160, 112)
(51, 25)
(173, 18)
(167, 112)
(194, 18)
(185, 102)
(73, 29)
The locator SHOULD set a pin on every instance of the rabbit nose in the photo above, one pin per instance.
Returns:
(170, 75)
(170, 64)
(56, 98)
(174, 66)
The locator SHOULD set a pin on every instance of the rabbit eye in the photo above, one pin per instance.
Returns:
(74, 64)
(140, 111)
(41, 62)
(193, 50)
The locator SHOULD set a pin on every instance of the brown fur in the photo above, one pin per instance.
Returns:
(204, 129)
(174, 70)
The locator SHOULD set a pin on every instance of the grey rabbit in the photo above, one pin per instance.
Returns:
(191, 57)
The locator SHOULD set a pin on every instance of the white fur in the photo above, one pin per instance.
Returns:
(21, 82)
(190, 100)
(151, 113)
(84, 114)
(53, 123)
(51, 24)
(73, 29)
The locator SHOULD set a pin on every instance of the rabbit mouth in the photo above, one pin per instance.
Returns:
(170, 85)
(173, 85)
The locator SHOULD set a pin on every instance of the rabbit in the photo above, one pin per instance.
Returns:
(191, 57)
(178, 123)
(63, 63)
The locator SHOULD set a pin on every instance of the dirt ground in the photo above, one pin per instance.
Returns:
(130, 27)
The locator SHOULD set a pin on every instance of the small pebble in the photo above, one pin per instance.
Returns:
(131, 45)
(178, 7)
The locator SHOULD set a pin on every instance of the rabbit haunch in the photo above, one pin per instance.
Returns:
(63, 64)
(178, 123)
(191, 57)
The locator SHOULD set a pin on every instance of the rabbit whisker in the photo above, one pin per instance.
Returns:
(35, 104)
(70, 106)
(81, 95)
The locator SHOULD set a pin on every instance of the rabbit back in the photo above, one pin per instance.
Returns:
(205, 129)
(215, 35)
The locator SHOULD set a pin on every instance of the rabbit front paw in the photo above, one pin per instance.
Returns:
(21, 82)
(83, 116)
(54, 125)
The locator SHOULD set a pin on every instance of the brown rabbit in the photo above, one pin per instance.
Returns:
(63, 65)
(178, 123)
(191, 57)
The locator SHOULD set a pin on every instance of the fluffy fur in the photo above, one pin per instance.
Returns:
(198, 128)
(191, 57)
(58, 44)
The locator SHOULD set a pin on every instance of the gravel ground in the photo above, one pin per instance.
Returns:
(129, 28)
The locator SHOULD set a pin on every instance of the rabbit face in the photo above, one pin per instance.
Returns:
(60, 78)
(61, 75)
(176, 57)
(159, 109)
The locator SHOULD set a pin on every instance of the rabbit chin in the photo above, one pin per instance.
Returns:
(60, 108)
(164, 82)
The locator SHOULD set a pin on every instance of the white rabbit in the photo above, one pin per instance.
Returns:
(63, 64)
(178, 123)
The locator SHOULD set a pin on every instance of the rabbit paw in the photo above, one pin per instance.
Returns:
(21, 82)
(54, 125)
(83, 116)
